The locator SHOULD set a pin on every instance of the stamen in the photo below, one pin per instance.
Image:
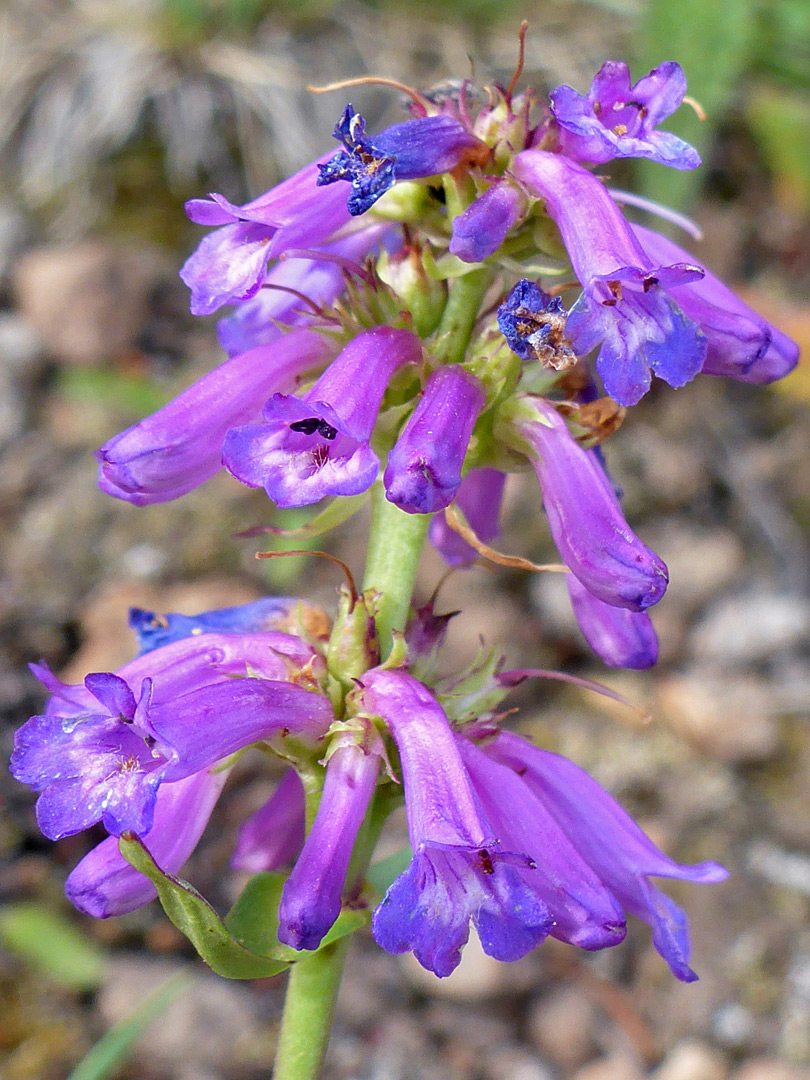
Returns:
(524, 26)
(693, 103)
(320, 555)
(376, 80)
(329, 256)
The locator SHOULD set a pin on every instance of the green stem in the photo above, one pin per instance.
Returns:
(394, 546)
(307, 1019)
(460, 313)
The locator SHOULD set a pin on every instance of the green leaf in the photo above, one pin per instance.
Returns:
(53, 944)
(245, 945)
(193, 916)
(381, 875)
(713, 43)
(112, 1048)
(338, 511)
(254, 918)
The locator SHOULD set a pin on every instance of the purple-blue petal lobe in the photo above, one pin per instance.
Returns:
(406, 151)
(104, 884)
(610, 841)
(616, 120)
(626, 307)
(318, 445)
(741, 344)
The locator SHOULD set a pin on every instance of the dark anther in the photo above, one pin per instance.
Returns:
(308, 426)
(485, 860)
(326, 430)
(649, 283)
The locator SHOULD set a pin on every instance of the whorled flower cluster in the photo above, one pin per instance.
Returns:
(515, 840)
(398, 321)
(342, 365)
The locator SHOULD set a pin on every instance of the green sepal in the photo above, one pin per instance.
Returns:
(243, 946)
(382, 875)
(354, 646)
(476, 691)
(253, 919)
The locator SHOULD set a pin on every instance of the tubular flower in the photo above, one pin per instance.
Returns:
(101, 751)
(479, 498)
(458, 873)
(104, 884)
(274, 835)
(740, 344)
(584, 515)
(230, 263)
(424, 468)
(620, 637)
(318, 445)
(481, 229)
(616, 120)
(179, 447)
(610, 842)
(310, 902)
(585, 913)
(625, 306)
(407, 151)
(294, 289)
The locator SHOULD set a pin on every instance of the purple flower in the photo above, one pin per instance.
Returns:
(479, 498)
(318, 445)
(481, 229)
(423, 472)
(104, 884)
(180, 446)
(100, 751)
(617, 120)
(407, 151)
(533, 324)
(266, 614)
(584, 911)
(310, 902)
(274, 835)
(613, 845)
(620, 637)
(458, 872)
(584, 515)
(740, 344)
(321, 281)
(624, 305)
(230, 263)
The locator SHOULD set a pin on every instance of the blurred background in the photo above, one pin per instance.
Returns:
(111, 115)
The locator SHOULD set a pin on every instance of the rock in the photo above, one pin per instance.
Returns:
(618, 1067)
(561, 1026)
(212, 1025)
(701, 561)
(771, 1069)
(512, 1062)
(692, 1060)
(477, 976)
(88, 301)
(750, 627)
(733, 719)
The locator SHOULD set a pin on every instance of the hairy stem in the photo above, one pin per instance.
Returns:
(311, 994)
(394, 546)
